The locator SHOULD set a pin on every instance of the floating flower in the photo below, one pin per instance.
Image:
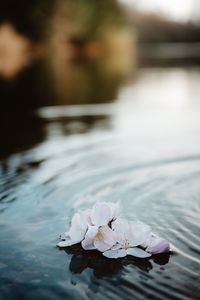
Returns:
(102, 229)
(100, 236)
(129, 236)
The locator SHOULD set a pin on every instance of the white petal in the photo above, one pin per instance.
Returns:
(137, 252)
(115, 210)
(79, 225)
(115, 253)
(85, 218)
(88, 244)
(101, 214)
(108, 235)
(147, 241)
(120, 224)
(101, 245)
(121, 228)
(139, 233)
(66, 243)
(92, 232)
(104, 239)
(158, 245)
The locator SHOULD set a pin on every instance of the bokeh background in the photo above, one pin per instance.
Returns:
(79, 52)
(99, 100)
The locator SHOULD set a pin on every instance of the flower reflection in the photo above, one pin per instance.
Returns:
(102, 266)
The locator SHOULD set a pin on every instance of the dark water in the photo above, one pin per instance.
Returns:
(142, 149)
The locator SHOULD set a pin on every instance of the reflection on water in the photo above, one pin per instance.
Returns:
(75, 83)
(102, 266)
(142, 149)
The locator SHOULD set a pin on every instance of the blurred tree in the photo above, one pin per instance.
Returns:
(28, 17)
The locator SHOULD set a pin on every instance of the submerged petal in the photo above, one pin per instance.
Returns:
(137, 252)
(158, 245)
(115, 253)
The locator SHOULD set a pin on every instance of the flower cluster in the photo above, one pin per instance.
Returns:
(101, 228)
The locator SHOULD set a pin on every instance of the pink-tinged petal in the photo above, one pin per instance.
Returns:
(115, 253)
(158, 245)
(66, 243)
(147, 241)
(101, 214)
(108, 235)
(138, 233)
(101, 245)
(88, 244)
(137, 252)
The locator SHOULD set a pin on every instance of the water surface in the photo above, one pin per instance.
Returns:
(142, 149)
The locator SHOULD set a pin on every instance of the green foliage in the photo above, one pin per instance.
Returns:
(93, 17)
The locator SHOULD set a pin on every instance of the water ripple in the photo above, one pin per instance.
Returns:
(42, 188)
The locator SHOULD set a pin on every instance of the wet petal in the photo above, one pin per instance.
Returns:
(137, 252)
(158, 245)
(101, 214)
(115, 253)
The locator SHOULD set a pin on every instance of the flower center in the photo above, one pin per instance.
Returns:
(99, 235)
(126, 244)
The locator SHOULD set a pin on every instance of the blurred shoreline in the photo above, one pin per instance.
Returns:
(171, 53)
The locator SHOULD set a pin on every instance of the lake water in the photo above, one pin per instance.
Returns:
(141, 146)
